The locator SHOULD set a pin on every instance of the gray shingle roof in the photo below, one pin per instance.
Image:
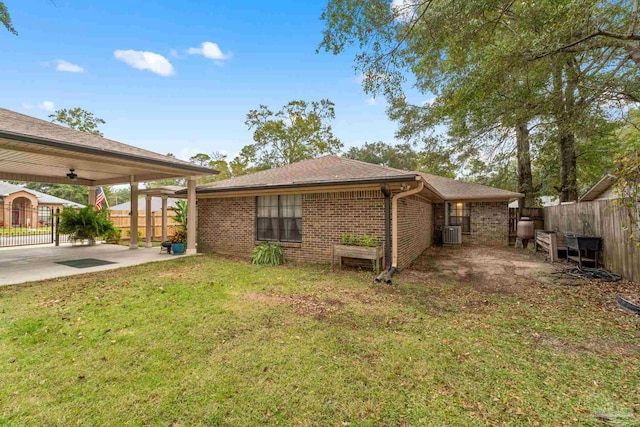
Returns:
(453, 189)
(7, 188)
(156, 204)
(334, 169)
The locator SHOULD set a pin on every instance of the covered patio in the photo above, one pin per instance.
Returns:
(48, 262)
(39, 151)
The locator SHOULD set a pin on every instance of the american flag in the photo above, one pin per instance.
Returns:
(99, 198)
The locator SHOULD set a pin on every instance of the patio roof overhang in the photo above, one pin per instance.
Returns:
(26, 157)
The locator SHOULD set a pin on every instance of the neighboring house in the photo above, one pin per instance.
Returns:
(307, 206)
(156, 205)
(544, 202)
(22, 207)
(602, 190)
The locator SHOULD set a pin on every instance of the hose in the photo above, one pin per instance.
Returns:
(589, 274)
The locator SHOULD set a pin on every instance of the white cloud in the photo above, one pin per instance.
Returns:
(141, 60)
(371, 101)
(27, 106)
(62, 65)
(209, 50)
(47, 106)
(429, 101)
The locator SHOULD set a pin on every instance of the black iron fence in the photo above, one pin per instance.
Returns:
(22, 224)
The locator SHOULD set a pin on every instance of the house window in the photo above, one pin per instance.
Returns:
(460, 214)
(279, 218)
(44, 216)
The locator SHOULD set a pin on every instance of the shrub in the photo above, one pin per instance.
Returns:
(179, 237)
(364, 240)
(113, 236)
(268, 254)
(85, 223)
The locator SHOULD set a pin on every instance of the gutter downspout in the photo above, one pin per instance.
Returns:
(387, 231)
(394, 227)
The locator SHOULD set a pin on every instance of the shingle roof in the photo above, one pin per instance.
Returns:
(20, 124)
(600, 187)
(7, 188)
(322, 170)
(156, 204)
(334, 169)
(453, 189)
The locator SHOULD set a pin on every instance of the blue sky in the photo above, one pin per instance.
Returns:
(197, 97)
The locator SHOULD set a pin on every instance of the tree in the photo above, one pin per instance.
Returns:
(405, 157)
(300, 130)
(628, 172)
(401, 156)
(78, 119)
(473, 56)
(5, 18)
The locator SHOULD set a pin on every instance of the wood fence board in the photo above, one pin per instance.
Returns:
(605, 219)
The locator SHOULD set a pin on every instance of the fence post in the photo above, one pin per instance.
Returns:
(53, 212)
(57, 225)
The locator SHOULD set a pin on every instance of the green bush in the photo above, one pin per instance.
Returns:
(85, 223)
(267, 254)
(364, 240)
(113, 236)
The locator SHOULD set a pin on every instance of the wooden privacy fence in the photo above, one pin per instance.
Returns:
(601, 218)
(122, 220)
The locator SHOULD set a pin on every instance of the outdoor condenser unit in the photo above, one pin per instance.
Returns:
(452, 235)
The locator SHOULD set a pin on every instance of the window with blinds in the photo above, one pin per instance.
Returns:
(279, 218)
(460, 214)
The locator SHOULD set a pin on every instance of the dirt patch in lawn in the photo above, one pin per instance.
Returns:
(304, 305)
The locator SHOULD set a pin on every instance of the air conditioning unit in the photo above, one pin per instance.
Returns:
(452, 235)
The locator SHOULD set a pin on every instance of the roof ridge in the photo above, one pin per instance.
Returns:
(376, 165)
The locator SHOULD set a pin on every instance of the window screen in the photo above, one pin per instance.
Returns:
(460, 214)
(279, 218)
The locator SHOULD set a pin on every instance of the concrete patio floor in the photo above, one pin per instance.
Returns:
(32, 263)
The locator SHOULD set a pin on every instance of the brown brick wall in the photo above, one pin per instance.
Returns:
(227, 225)
(489, 223)
(415, 228)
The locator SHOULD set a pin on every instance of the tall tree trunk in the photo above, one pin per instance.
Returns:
(564, 111)
(525, 177)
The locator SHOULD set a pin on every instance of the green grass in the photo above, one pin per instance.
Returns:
(20, 231)
(209, 341)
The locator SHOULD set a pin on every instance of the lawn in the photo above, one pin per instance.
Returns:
(211, 341)
(21, 231)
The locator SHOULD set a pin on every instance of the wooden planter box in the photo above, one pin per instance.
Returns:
(362, 252)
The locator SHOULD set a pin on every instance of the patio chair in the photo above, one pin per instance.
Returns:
(165, 247)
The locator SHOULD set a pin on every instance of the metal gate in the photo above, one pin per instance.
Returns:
(23, 224)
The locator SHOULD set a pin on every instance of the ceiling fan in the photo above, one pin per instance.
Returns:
(72, 175)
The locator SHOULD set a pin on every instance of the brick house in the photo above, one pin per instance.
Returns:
(307, 207)
(22, 207)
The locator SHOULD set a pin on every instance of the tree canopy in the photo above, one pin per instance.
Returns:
(299, 130)
(506, 78)
(78, 119)
(5, 19)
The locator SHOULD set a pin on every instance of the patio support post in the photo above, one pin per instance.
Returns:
(147, 213)
(92, 195)
(133, 230)
(164, 218)
(191, 216)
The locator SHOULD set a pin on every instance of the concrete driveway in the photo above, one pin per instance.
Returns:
(32, 263)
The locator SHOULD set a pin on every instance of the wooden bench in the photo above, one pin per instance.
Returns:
(361, 252)
(551, 242)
